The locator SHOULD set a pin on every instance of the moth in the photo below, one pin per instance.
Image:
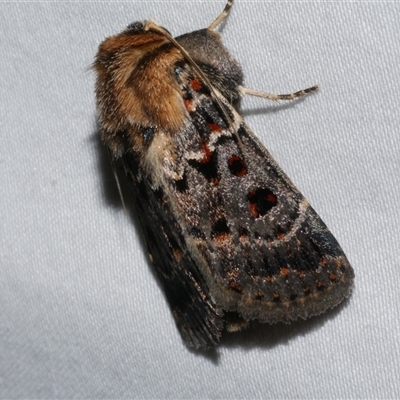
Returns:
(230, 236)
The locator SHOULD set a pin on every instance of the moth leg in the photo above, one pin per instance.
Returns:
(277, 97)
(114, 169)
(221, 16)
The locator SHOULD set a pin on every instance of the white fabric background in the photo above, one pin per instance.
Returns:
(81, 312)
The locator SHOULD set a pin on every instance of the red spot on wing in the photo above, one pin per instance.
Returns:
(235, 287)
(284, 271)
(188, 105)
(276, 296)
(271, 198)
(301, 274)
(253, 210)
(281, 236)
(207, 153)
(269, 278)
(258, 296)
(196, 84)
(214, 127)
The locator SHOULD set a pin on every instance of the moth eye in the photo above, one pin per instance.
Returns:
(237, 166)
(261, 201)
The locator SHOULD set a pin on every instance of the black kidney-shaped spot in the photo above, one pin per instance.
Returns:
(220, 227)
(182, 184)
(208, 166)
(237, 166)
(261, 201)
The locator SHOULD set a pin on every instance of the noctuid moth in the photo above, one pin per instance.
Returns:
(227, 231)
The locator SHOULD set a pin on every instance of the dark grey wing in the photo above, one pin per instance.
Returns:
(198, 318)
(262, 249)
(287, 264)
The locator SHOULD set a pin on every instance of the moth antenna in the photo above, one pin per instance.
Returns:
(221, 16)
(277, 97)
(274, 97)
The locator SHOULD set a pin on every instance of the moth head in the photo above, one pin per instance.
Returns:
(135, 87)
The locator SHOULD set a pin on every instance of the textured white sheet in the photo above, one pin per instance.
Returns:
(81, 313)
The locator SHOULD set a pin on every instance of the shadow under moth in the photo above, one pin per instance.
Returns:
(227, 231)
